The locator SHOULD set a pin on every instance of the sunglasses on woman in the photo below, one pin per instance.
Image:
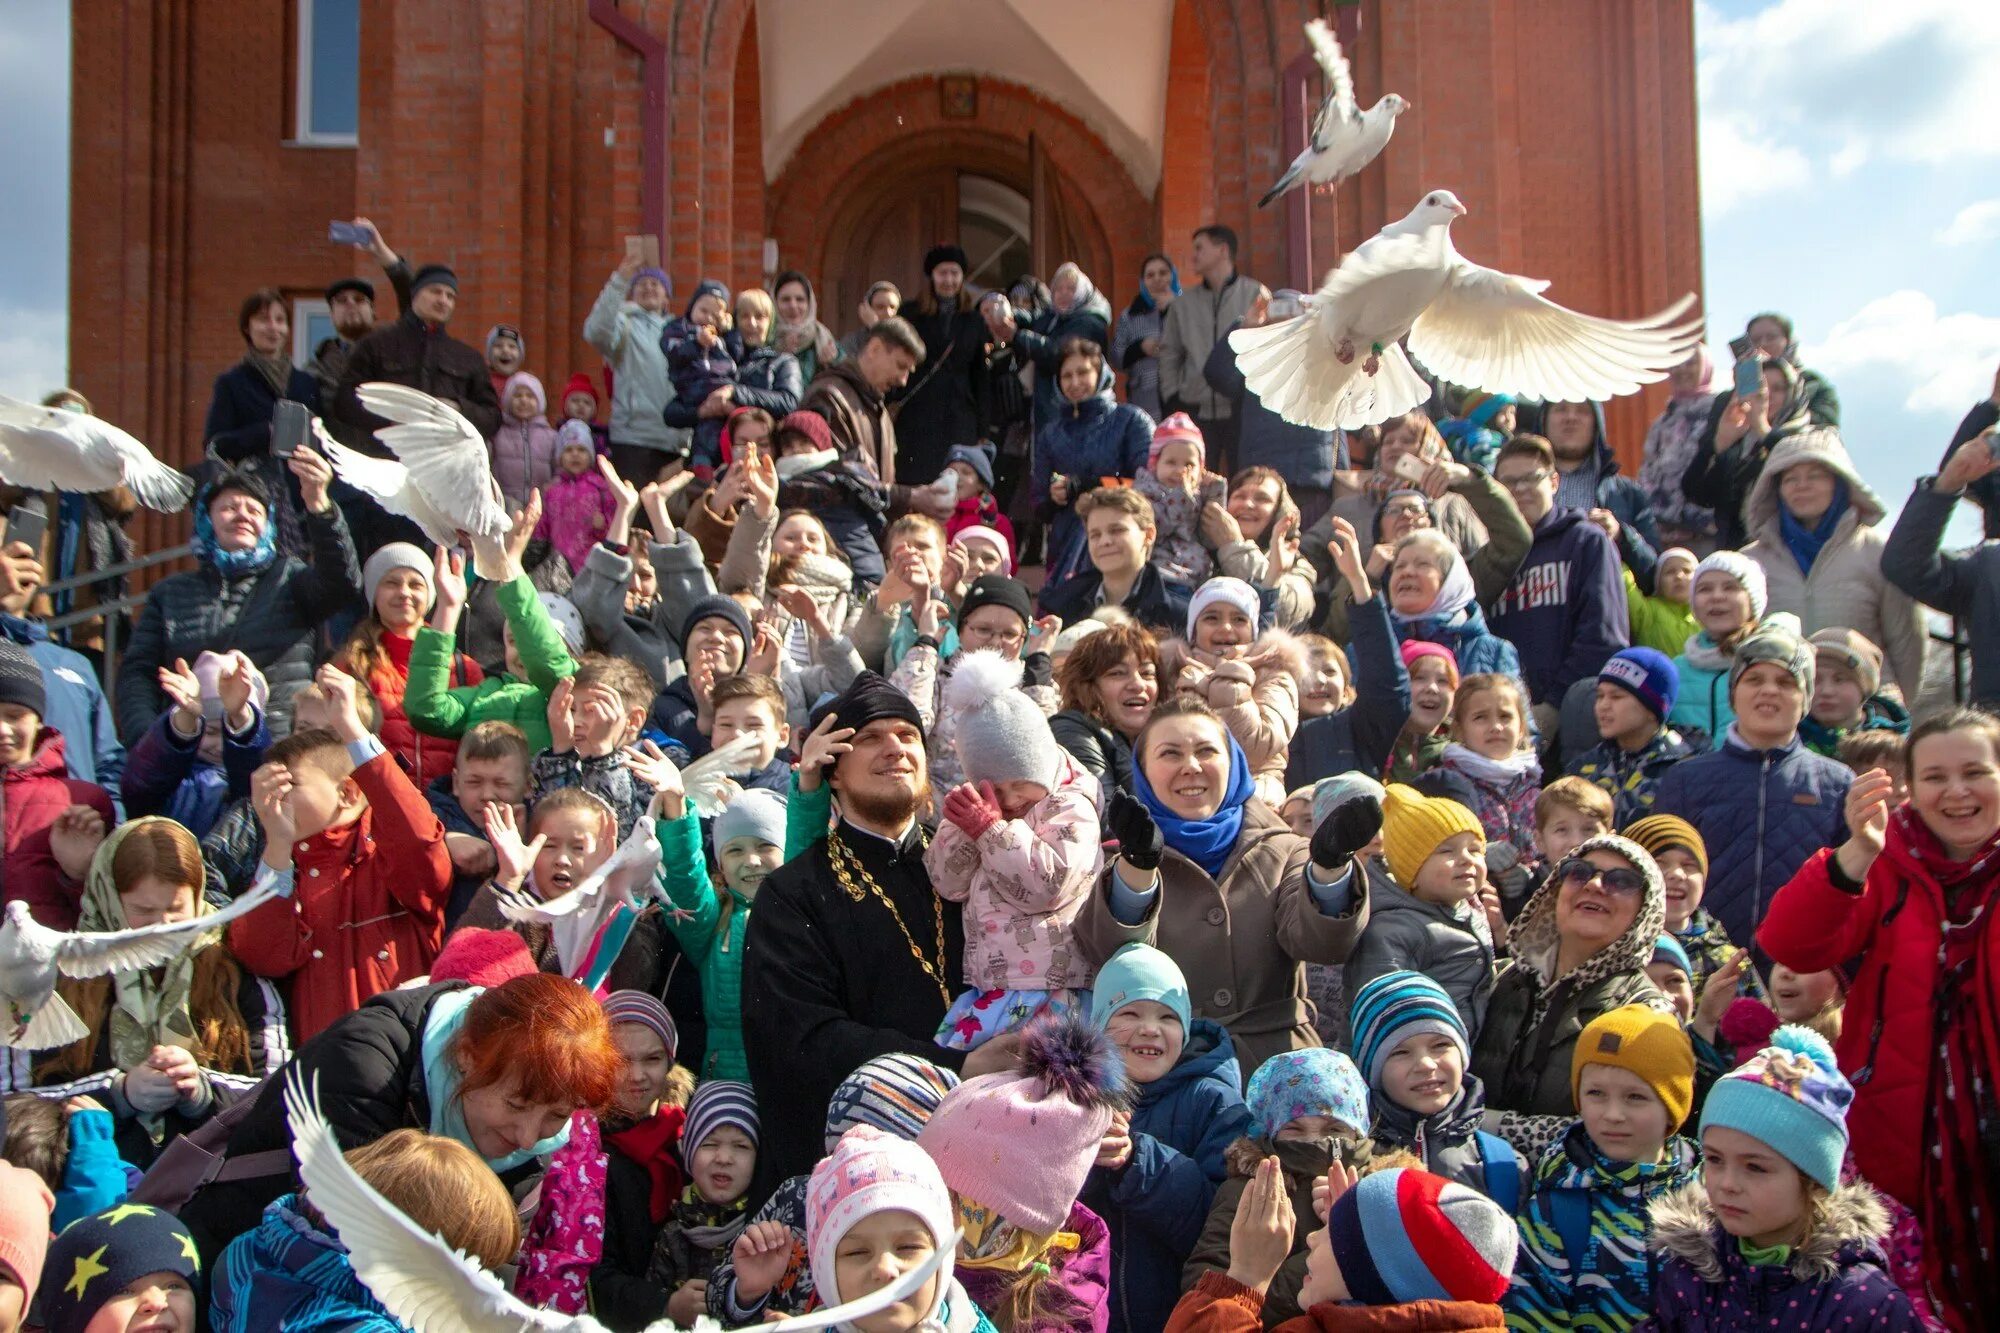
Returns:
(1577, 872)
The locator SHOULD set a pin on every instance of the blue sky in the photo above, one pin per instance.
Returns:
(1850, 178)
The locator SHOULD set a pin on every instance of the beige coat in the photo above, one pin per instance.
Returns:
(1263, 721)
(1846, 587)
(1240, 943)
(1194, 321)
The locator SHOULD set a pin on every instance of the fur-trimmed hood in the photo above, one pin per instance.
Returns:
(1855, 1225)
(1287, 653)
(1815, 444)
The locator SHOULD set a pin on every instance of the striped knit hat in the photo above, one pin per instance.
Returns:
(635, 1006)
(715, 1104)
(894, 1093)
(1656, 833)
(1405, 1235)
(1177, 429)
(1395, 1007)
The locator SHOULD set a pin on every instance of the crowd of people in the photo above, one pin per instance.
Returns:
(1221, 871)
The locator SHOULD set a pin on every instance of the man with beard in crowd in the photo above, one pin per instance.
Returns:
(351, 303)
(850, 953)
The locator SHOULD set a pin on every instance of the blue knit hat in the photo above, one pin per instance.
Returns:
(715, 1104)
(893, 1093)
(1667, 949)
(706, 287)
(97, 1256)
(1395, 1007)
(1792, 1096)
(1648, 674)
(1139, 972)
(1314, 1081)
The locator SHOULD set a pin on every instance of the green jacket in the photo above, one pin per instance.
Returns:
(714, 946)
(806, 816)
(437, 709)
(1655, 622)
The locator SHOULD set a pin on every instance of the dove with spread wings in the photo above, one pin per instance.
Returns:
(1344, 138)
(54, 449)
(1340, 363)
(433, 1289)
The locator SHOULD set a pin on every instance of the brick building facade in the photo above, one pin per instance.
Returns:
(521, 140)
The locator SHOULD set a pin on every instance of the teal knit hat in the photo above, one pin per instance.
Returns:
(1139, 972)
(1792, 1096)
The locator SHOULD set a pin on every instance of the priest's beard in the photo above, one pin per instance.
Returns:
(884, 809)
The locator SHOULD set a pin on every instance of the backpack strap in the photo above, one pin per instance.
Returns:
(1501, 1171)
(201, 1157)
(1569, 1209)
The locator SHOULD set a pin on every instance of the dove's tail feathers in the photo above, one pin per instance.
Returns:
(849, 1312)
(1291, 368)
(160, 488)
(489, 561)
(1394, 388)
(54, 1024)
(706, 779)
(1288, 180)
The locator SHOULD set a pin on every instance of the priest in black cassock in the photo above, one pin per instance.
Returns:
(850, 953)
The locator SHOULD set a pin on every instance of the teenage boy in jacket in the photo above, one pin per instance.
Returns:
(1565, 609)
(365, 858)
(1761, 800)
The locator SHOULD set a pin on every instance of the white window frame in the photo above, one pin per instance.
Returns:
(303, 308)
(303, 134)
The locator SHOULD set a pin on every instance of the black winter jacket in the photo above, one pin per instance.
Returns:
(274, 616)
(411, 353)
(1101, 751)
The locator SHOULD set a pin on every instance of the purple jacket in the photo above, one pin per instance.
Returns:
(1080, 1286)
(1837, 1280)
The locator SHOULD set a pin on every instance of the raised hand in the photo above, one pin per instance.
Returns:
(1260, 1237)
(1339, 1178)
(448, 577)
(314, 474)
(953, 578)
(822, 749)
(74, 839)
(516, 858)
(651, 766)
(1718, 993)
(762, 1253)
(1867, 815)
(926, 610)
(1139, 842)
(525, 521)
(1347, 828)
(765, 649)
(760, 479)
(1345, 547)
(1284, 543)
(21, 570)
(337, 688)
(562, 716)
(599, 722)
(1969, 462)
(235, 684)
(1115, 1149)
(1042, 635)
(1218, 526)
(800, 606)
(972, 810)
(1059, 489)
(179, 684)
(271, 799)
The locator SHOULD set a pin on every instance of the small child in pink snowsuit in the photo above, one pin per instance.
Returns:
(578, 502)
(1020, 847)
(524, 448)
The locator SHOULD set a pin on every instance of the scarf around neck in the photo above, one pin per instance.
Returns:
(1454, 594)
(650, 1143)
(711, 1226)
(276, 370)
(1497, 772)
(1805, 543)
(1206, 842)
(441, 1078)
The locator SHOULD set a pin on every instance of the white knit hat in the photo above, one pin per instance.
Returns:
(1747, 572)
(1002, 734)
(1223, 588)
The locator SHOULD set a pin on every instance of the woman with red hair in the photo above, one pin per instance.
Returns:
(499, 1070)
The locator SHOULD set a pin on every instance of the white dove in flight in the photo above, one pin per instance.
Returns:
(441, 478)
(1339, 364)
(575, 917)
(53, 449)
(32, 956)
(431, 1289)
(1344, 137)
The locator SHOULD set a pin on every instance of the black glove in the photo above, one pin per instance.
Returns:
(1351, 826)
(1139, 840)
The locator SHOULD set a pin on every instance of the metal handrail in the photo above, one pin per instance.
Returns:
(119, 570)
(112, 610)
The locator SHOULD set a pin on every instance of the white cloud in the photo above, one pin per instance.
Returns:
(1846, 82)
(1737, 169)
(34, 352)
(1973, 224)
(1938, 362)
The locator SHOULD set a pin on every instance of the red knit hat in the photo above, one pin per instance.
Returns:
(1177, 429)
(483, 957)
(580, 383)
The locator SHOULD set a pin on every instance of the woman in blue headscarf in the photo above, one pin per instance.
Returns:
(1135, 343)
(1211, 874)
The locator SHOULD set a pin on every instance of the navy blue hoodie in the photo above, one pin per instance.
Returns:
(1565, 610)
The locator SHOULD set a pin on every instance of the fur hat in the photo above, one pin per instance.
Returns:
(1021, 1142)
(870, 1172)
(388, 559)
(95, 1257)
(1405, 1235)
(1791, 1095)
(755, 814)
(895, 1094)
(945, 254)
(1643, 1042)
(1314, 1081)
(1002, 734)
(1749, 576)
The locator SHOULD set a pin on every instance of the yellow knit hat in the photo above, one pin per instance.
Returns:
(1644, 1042)
(1413, 825)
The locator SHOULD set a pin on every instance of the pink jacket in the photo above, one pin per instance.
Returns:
(576, 511)
(1023, 883)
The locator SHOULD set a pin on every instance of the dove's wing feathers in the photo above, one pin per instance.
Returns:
(46, 448)
(902, 1289)
(1339, 78)
(1495, 331)
(448, 459)
(634, 865)
(54, 1025)
(704, 778)
(1291, 368)
(156, 485)
(420, 1282)
(389, 482)
(520, 906)
(94, 953)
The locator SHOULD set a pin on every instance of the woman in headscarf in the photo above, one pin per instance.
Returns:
(798, 332)
(165, 1047)
(1671, 442)
(940, 407)
(1076, 310)
(1771, 334)
(1431, 598)
(1135, 344)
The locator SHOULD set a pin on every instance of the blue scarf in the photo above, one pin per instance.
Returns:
(233, 564)
(1806, 543)
(1173, 283)
(1206, 842)
(441, 1076)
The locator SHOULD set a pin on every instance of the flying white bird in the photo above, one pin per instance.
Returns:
(32, 956)
(1344, 138)
(1339, 365)
(575, 918)
(444, 479)
(432, 1289)
(50, 449)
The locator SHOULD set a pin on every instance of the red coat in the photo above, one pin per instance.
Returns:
(1895, 925)
(428, 757)
(34, 795)
(367, 907)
